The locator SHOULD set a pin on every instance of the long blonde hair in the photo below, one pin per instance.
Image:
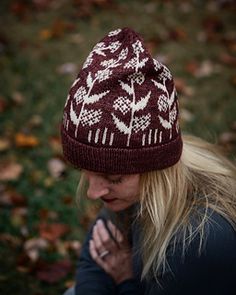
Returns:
(203, 179)
(169, 198)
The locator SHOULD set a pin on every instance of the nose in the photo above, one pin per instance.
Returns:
(96, 188)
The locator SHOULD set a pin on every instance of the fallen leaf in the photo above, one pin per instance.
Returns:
(17, 199)
(45, 34)
(192, 67)
(54, 272)
(74, 246)
(33, 246)
(57, 30)
(23, 140)
(56, 167)
(55, 144)
(48, 182)
(178, 34)
(205, 69)
(182, 87)
(3, 104)
(212, 25)
(18, 216)
(4, 144)
(53, 231)
(11, 240)
(46, 214)
(68, 200)
(76, 38)
(233, 126)
(19, 9)
(18, 98)
(10, 171)
(67, 68)
(41, 4)
(186, 115)
(24, 231)
(61, 248)
(233, 80)
(228, 59)
(35, 121)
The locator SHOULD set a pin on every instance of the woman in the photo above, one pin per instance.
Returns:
(168, 223)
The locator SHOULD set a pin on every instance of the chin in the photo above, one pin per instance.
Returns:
(116, 207)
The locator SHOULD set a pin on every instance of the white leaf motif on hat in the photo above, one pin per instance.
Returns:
(143, 62)
(131, 63)
(114, 46)
(115, 32)
(100, 49)
(141, 123)
(74, 118)
(89, 80)
(90, 117)
(126, 87)
(165, 74)
(75, 82)
(166, 124)
(80, 94)
(173, 114)
(160, 86)
(137, 78)
(120, 125)
(103, 75)
(165, 103)
(162, 103)
(157, 65)
(67, 99)
(122, 104)
(142, 103)
(95, 97)
(108, 63)
(172, 97)
(88, 61)
(138, 47)
(123, 54)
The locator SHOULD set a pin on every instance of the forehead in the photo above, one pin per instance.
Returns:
(109, 175)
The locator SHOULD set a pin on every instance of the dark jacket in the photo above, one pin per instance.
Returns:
(213, 271)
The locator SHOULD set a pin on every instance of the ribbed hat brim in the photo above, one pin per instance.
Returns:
(121, 160)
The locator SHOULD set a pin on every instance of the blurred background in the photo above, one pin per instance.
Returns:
(43, 44)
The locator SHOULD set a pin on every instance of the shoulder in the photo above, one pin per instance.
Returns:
(216, 241)
(211, 268)
(219, 237)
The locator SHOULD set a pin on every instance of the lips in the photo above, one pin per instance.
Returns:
(108, 200)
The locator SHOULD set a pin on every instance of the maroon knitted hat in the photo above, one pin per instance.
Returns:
(121, 114)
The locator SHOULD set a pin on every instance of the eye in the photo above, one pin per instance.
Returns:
(116, 180)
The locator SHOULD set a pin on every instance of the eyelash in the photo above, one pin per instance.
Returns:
(117, 181)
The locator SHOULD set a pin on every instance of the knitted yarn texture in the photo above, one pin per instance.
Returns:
(121, 113)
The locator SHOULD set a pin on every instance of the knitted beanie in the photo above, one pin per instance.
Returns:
(121, 113)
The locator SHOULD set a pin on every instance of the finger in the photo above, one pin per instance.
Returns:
(115, 232)
(95, 255)
(105, 237)
(97, 240)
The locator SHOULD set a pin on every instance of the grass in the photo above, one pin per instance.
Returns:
(29, 60)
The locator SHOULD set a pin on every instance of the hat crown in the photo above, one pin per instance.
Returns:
(122, 98)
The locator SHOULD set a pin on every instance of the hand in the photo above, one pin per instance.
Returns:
(117, 259)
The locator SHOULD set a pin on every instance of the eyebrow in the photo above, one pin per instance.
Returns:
(110, 176)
